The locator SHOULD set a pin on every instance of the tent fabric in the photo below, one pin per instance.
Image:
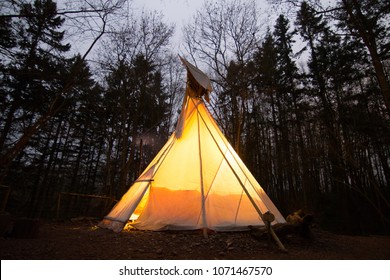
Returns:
(196, 181)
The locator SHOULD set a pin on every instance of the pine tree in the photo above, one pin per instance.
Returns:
(368, 21)
(137, 105)
(287, 73)
(37, 69)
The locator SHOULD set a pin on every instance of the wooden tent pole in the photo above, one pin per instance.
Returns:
(276, 238)
(268, 218)
(204, 221)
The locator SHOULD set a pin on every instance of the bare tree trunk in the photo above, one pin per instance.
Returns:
(75, 182)
(8, 124)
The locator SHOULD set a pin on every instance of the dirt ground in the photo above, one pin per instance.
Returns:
(82, 239)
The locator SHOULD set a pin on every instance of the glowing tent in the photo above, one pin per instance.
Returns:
(197, 180)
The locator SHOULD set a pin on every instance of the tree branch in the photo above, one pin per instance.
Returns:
(58, 13)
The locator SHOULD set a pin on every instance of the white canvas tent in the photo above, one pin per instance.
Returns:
(196, 181)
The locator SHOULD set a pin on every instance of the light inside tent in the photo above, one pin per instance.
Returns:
(133, 217)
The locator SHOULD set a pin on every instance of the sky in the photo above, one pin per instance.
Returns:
(178, 12)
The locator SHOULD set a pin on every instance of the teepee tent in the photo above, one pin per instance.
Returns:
(197, 180)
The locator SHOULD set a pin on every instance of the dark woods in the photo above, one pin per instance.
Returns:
(312, 124)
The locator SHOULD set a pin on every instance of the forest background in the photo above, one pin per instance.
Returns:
(304, 100)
